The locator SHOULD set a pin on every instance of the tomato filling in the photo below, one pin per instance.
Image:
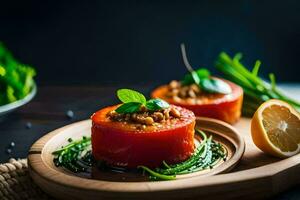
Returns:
(122, 144)
(224, 107)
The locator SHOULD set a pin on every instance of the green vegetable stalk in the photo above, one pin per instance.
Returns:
(256, 90)
(16, 79)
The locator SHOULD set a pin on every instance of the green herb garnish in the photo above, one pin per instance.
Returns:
(156, 104)
(77, 157)
(128, 96)
(133, 100)
(202, 73)
(130, 107)
(16, 79)
(215, 86)
(155, 175)
(69, 155)
(206, 155)
(256, 89)
(203, 78)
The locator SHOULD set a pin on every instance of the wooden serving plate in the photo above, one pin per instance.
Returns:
(256, 176)
(64, 184)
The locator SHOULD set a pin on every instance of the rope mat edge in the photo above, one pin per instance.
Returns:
(15, 182)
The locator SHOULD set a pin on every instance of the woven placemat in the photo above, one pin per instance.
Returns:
(15, 182)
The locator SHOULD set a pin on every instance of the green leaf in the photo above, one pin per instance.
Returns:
(156, 104)
(130, 107)
(10, 94)
(190, 78)
(128, 95)
(215, 86)
(195, 77)
(2, 71)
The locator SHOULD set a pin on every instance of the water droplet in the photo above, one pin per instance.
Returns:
(28, 125)
(70, 114)
(12, 144)
(8, 151)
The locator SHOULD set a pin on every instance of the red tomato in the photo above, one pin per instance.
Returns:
(224, 107)
(121, 144)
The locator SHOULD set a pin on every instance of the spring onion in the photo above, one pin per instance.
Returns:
(256, 89)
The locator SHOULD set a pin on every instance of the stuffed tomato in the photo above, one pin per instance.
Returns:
(226, 107)
(144, 137)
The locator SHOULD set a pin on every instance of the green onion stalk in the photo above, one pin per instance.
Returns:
(256, 90)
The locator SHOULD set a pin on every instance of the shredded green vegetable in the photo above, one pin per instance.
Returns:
(206, 155)
(16, 79)
(256, 89)
(76, 157)
(69, 155)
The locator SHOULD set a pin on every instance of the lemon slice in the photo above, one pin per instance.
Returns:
(275, 129)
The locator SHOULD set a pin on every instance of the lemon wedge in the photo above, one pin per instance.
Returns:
(275, 129)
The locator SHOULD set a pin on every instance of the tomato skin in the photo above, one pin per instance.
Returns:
(226, 108)
(119, 145)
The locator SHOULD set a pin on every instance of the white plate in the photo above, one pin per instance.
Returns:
(14, 105)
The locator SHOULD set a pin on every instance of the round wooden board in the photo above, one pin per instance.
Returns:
(256, 176)
(65, 185)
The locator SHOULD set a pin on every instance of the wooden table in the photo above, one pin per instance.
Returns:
(48, 111)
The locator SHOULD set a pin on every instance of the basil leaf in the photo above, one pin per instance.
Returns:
(156, 104)
(127, 95)
(130, 107)
(203, 73)
(215, 86)
(190, 78)
(195, 77)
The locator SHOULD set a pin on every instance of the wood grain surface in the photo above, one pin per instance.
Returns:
(257, 176)
(63, 184)
(48, 109)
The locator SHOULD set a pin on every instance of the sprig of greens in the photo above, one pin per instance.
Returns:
(70, 155)
(203, 78)
(133, 100)
(155, 175)
(16, 79)
(206, 155)
(256, 89)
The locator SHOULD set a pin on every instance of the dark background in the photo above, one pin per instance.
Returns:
(129, 42)
(132, 43)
